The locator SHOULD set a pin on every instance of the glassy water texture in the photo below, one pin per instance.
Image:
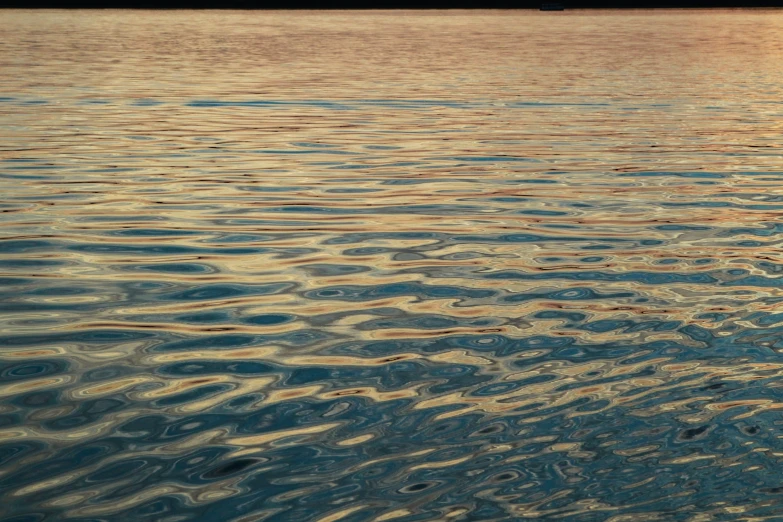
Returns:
(370, 266)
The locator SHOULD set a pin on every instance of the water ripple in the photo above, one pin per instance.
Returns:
(363, 266)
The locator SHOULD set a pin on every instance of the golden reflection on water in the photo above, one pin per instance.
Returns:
(400, 266)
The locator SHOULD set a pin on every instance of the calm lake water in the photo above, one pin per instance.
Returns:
(411, 266)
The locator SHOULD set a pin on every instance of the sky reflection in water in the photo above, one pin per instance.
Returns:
(391, 266)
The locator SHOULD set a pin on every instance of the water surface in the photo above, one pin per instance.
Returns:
(410, 266)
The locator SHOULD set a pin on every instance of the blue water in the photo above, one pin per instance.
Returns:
(369, 266)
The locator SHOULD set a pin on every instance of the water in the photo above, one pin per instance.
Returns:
(369, 266)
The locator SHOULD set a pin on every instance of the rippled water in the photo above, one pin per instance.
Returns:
(469, 266)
